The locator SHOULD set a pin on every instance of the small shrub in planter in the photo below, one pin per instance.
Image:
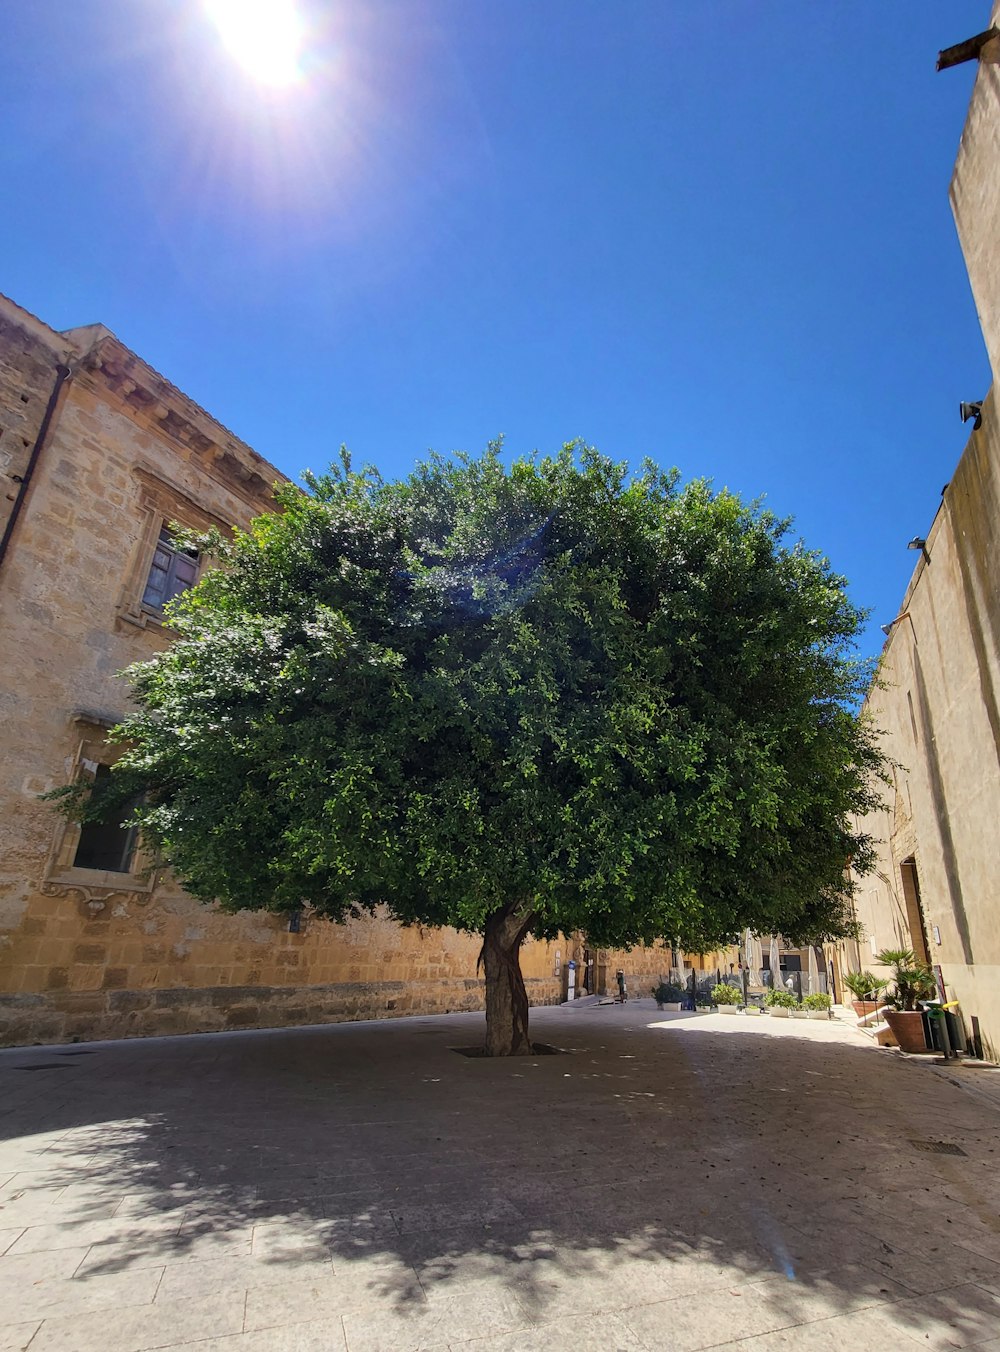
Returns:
(727, 998)
(779, 1002)
(668, 995)
(817, 1005)
(818, 1000)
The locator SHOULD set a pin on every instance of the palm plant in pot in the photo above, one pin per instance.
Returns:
(866, 988)
(912, 980)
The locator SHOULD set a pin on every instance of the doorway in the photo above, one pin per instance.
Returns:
(914, 910)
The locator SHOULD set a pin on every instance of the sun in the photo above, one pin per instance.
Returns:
(264, 36)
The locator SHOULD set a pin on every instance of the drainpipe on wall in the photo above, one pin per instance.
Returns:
(63, 373)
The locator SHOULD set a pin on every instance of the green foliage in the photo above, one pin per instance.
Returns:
(668, 993)
(912, 980)
(777, 995)
(817, 1000)
(724, 994)
(864, 985)
(624, 704)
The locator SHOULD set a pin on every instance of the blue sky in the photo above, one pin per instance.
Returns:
(715, 232)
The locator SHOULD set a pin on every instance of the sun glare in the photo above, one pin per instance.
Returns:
(263, 36)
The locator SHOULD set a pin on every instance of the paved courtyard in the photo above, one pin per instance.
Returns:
(677, 1182)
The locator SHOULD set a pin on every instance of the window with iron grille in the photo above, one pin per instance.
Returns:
(172, 571)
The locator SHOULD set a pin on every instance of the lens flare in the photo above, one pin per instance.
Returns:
(264, 36)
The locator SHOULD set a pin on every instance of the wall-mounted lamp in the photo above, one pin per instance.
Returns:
(888, 628)
(973, 411)
(918, 542)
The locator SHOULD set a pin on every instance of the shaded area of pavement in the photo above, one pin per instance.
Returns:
(676, 1182)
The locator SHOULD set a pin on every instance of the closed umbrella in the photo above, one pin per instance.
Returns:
(745, 957)
(813, 971)
(775, 960)
(756, 961)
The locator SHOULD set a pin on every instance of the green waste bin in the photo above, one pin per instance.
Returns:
(937, 1022)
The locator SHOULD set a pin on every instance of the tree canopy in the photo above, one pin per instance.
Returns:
(551, 693)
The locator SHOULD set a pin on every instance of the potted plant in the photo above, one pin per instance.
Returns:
(912, 980)
(779, 1002)
(668, 995)
(727, 998)
(817, 1005)
(866, 988)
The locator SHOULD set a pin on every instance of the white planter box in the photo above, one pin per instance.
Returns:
(798, 1013)
(730, 1009)
(818, 1013)
(777, 1011)
(674, 1006)
(752, 1009)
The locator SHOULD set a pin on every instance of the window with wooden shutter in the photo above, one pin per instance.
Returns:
(172, 571)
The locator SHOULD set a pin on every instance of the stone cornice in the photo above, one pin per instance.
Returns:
(165, 412)
(175, 504)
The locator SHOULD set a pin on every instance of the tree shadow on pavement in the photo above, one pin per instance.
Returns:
(662, 1160)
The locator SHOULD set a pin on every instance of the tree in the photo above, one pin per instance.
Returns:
(547, 698)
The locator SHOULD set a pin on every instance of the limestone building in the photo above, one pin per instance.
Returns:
(98, 455)
(937, 887)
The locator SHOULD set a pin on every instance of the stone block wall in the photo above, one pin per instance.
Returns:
(28, 360)
(118, 966)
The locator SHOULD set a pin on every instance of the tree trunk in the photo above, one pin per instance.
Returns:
(506, 998)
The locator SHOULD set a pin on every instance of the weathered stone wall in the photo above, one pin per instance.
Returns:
(596, 968)
(975, 195)
(29, 354)
(940, 712)
(119, 967)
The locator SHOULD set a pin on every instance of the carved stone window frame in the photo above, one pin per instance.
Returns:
(161, 502)
(93, 748)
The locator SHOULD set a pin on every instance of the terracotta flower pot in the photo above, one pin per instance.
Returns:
(908, 1029)
(863, 1007)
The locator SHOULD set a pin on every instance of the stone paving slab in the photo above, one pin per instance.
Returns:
(315, 1337)
(674, 1183)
